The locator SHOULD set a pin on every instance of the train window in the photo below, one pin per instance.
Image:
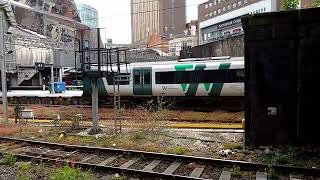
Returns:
(237, 75)
(206, 76)
(137, 77)
(146, 77)
(110, 81)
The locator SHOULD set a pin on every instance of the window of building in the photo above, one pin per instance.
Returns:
(224, 9)
(210, 4)
(239, 3)
(264, 9)
(245, 1)
(210, 14)
(206, 6)
(219, 11)
(214, 12)
(234, 5)
(200, 76)
(229, 6)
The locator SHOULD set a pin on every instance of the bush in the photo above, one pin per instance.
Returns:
(289, 5)
(280, 157)
(68, 173)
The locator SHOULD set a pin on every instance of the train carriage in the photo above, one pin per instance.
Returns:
(206, 77)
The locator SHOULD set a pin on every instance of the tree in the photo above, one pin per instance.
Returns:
(317, 3)
(289, 5)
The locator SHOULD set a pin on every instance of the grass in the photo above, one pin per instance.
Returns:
(24, 166)
(68, 173)
(9, 160)
(281, 157)
(236, 172)
(138, 136)
(233, 146)
(23, 173)
(179, 150)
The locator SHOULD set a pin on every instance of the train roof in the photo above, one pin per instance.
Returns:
(191, 60)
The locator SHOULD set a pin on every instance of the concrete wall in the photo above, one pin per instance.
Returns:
(233, 46)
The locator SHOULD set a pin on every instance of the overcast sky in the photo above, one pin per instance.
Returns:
(114, 15)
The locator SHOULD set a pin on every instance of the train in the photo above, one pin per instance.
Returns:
(214, 78)
(193, 82)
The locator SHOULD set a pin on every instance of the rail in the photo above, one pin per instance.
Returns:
(141, 163)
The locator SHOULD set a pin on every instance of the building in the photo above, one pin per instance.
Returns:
(48, 20)
(166, 18)
(88, 15)
(219, 19)
(187, 41)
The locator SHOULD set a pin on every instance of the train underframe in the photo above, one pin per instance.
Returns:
(176, 103)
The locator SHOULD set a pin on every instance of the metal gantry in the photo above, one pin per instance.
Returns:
(99, 62)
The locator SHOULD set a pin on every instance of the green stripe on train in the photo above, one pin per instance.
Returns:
(191, 89)
(217, 87)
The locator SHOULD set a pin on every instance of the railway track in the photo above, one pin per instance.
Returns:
(145, 164)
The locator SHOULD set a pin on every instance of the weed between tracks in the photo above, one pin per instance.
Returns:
(9, 159)
(281, 157)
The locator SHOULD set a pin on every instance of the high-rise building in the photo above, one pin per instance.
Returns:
(163, 17)
(88, 15)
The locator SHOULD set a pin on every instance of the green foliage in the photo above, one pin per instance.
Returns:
(179, 150)
(271, 173)
(236, 172)
(24, 166)
(22, 176)
(68, 173)
(9, 159)
(289, 5)
(118, 177)
(281, 157)
(317, 3)
(23, 173)
(232, 146)
(138, 136)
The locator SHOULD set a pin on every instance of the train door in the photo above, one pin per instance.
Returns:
(142, 81)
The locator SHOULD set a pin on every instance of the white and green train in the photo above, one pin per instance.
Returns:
(207, 77)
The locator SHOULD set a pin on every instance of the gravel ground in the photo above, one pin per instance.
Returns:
(184, 170)
(142, 163)
(98, 159)
(119, 161)
(162, 166)
(211, 172)
(78, 157)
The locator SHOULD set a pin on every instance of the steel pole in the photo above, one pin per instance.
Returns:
(95, 106)
(3, 74)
